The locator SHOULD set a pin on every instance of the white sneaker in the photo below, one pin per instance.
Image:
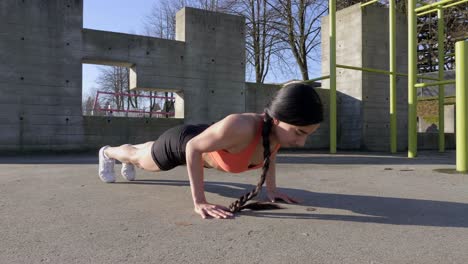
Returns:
(106, 167)
(128, 171)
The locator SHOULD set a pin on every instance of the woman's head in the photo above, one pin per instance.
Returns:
(297, 111)
(296, 104)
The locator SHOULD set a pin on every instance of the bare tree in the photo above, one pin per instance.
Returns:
(87, 105)
(161, 21)
(115, 79)
(261, 37)
(299, 27)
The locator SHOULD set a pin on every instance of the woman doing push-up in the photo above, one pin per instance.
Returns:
(237, 143)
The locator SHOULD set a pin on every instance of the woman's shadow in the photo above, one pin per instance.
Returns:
(372, 209)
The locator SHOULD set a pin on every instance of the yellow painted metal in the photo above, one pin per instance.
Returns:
(461, 104)
(437, 7)
(441, 59)
(422, 85)
(454, 4)
(392, 66)
(318, 79)
(383, 72)
(412, 72)
(332, 43)
(369, 3)
(431, 6)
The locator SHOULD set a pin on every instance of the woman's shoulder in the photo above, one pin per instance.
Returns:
(244, 123)
(243, 120)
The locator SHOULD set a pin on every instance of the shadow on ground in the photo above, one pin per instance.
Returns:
(371, 209)
(363, 158)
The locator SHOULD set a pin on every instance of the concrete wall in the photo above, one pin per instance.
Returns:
(43, 46)
(40, 75)
(363, 98)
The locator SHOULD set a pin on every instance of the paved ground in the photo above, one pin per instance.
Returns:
(358, 208)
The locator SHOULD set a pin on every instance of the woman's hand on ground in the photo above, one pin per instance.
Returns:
(213, 210)
(274, 195)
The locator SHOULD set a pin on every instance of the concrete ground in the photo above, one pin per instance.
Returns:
(358, 208)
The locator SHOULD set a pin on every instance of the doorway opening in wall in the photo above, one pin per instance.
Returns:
(107, 92)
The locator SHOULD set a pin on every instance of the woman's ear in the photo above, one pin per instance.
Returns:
(275, 121)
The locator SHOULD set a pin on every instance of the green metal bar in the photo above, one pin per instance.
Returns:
(441, 6)
(412, 72)
(369, 3)
(317, 79)
(332, 42)
(427, 12)
(422, 85)
(461, 104)
(363, 69)
(454, 4)
(441, 51)
(430, 6)
(392, 66)
(383, 72)
(433, 98)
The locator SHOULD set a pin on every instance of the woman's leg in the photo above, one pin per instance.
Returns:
(138, 155)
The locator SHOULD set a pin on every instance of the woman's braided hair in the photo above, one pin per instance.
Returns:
(296, 104)
(239, 204)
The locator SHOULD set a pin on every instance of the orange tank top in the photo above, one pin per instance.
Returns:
(239, 162)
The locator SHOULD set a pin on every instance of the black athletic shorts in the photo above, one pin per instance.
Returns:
(168, 150)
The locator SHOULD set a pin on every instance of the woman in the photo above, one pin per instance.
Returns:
(237, 143)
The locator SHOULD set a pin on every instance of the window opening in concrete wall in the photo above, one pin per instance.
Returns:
(106, 92)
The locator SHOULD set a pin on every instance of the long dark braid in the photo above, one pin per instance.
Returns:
(239, 204)
(296, 104)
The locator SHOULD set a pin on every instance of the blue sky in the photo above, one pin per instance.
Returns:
(128, 17)
(112, 15)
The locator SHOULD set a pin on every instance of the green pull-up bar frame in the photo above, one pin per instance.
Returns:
(461, 80)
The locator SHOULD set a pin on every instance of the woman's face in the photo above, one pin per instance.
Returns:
(291, 135)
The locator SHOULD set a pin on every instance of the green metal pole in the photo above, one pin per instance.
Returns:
(412, 72)
(332, 41)
(441, 52)
(392, 59)
(461, 104)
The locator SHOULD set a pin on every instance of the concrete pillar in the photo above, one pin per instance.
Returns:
(363, 98)
(214, 64)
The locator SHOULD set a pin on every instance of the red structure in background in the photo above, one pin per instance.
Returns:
(108, 110)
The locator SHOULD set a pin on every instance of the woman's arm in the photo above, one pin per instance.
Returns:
(270, 183)
(195, 173)
(229, 132)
